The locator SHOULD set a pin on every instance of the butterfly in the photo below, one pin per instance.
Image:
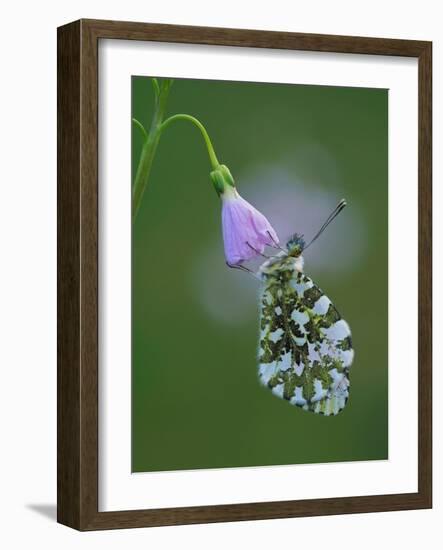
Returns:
(305, 347)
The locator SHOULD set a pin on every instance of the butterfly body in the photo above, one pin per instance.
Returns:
(305, 347)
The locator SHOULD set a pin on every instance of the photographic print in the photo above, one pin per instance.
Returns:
(259, 302)
(244, 274)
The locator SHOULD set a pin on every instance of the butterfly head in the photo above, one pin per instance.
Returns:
(295, 245)
(286, 262)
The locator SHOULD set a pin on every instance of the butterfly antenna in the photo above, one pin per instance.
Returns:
(329, 219)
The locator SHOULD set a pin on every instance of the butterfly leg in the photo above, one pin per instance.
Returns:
(243, 268)
(276, 245)
(257, 251)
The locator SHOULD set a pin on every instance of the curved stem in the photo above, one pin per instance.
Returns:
(152, 138)
(140, 126)
(212, 156)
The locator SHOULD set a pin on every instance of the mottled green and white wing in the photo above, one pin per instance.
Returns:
(305, 348)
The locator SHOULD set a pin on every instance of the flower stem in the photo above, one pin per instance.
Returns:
(140, 126)
(150, 144)
(152, 138)
(212, 156)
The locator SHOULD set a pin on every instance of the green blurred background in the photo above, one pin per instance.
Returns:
(294, 152)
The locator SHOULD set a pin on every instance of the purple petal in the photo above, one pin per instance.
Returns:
(246, 231)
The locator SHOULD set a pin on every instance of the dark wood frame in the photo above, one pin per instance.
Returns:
(77, 455)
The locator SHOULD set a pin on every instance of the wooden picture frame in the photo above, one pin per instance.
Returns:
(77, 456)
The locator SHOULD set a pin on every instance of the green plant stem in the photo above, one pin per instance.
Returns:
(150, 144)
(212, 156)
(152, 138)
(141, 128)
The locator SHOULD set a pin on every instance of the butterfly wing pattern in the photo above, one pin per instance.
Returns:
(305, 347)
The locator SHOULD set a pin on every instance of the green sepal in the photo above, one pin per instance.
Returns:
(227, 175)
(221, 178)
(217, 181)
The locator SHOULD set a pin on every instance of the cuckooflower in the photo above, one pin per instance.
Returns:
(246, 231)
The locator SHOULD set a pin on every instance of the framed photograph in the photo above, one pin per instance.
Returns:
(244, 274)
